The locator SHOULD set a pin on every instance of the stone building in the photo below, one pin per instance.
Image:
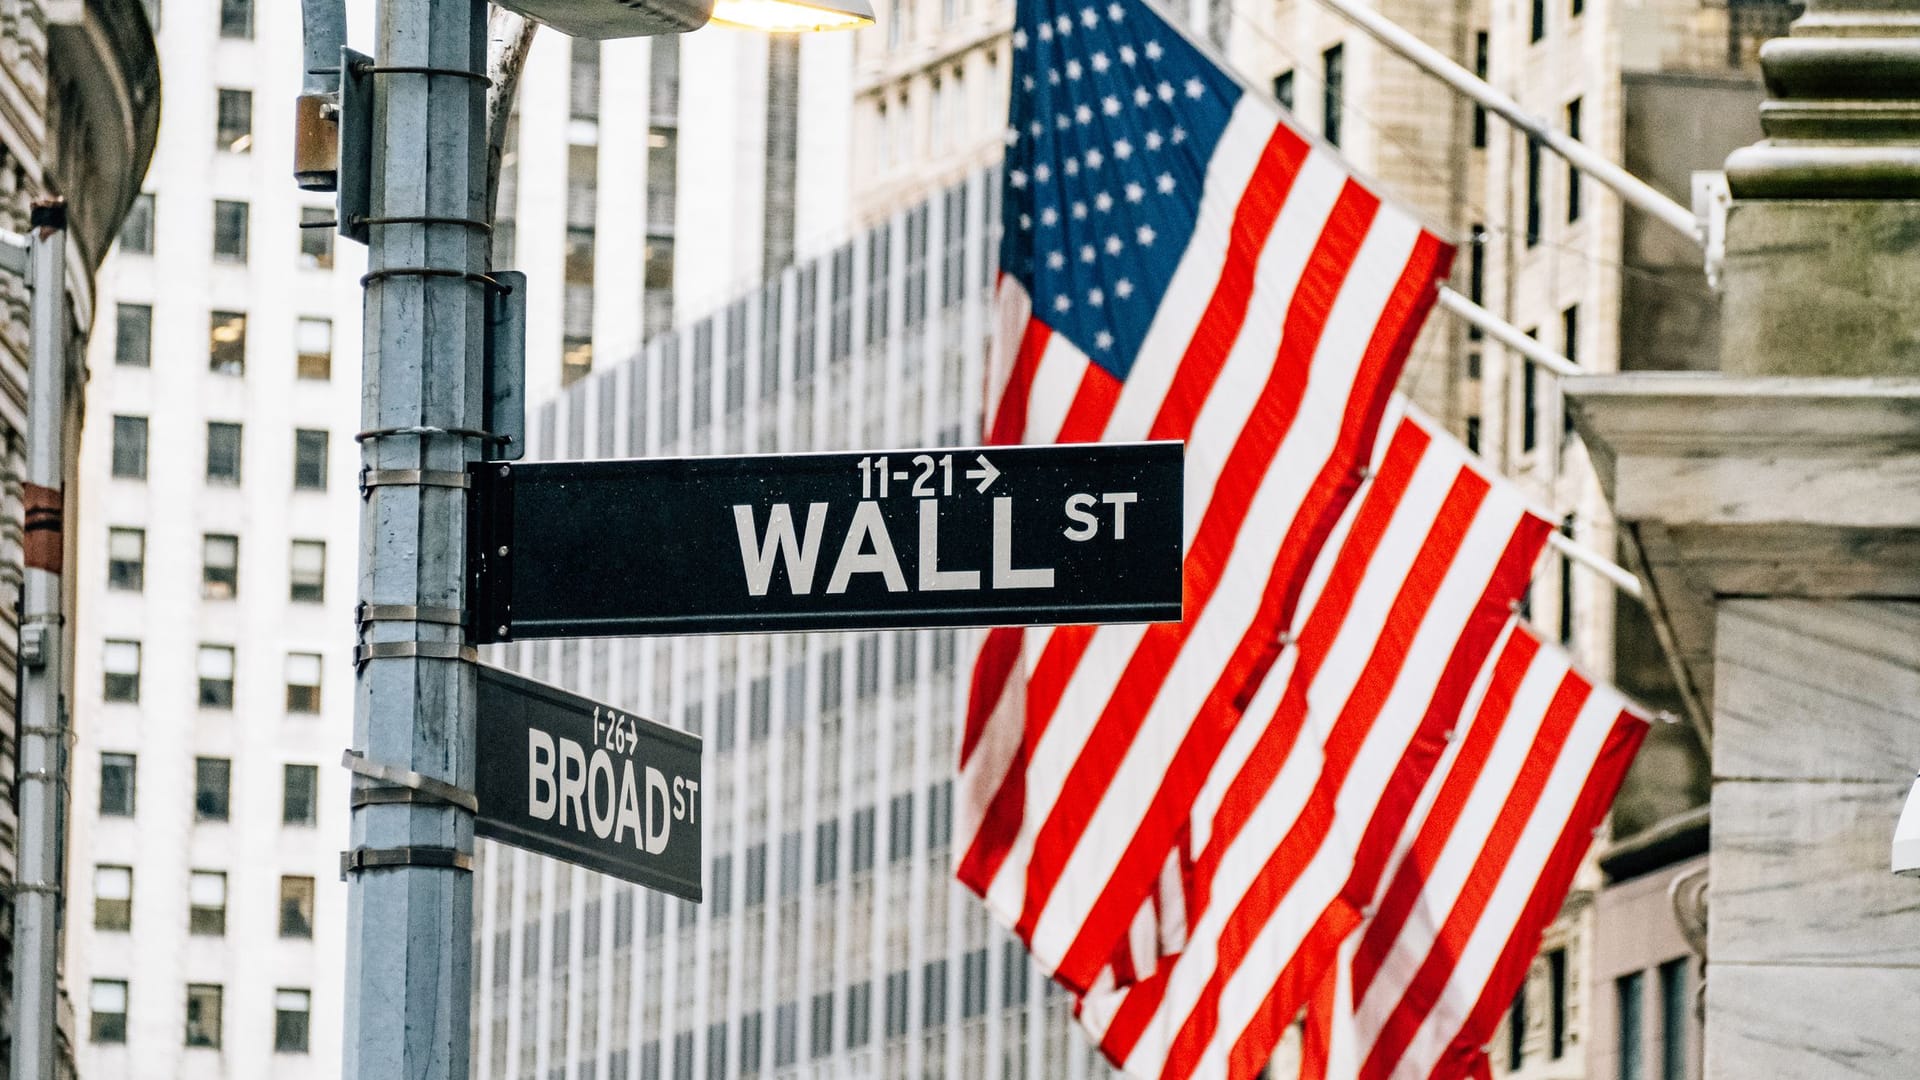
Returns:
(79, 107)
(1768, 500)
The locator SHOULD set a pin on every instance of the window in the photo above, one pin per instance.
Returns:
(1333, 86)
(1573, 174)
(212, 778)
(107, 1011)
(896, 1004)
(1480, 48)
(756, 874)
(933, 994)
(821, 1038)
(126, 559)
(227, 343)
(1569, 348)
(207, 903)
(1476, 271)
(1557, 1002)
(1539, 21)
(236, 18)
(826, 852)
(310, 460)
(1517, 1030)
(307, 571)
(291, 1009)
(1674, 1004)
(136, 233)
(940, 814)
(296, 907)
(859, 1014)
(1529, 402)
(130, 447)
(1283, 89)
(297, 794)
(133, 335)
(1566, 586)
(863, 839)
(219, 566)
(317, 227)
(122, 664)
(203, 1015)
(720, 889)
(900, 827)
(215, 668)
(1628, 991)
(229, 231)
(233, 125)
(1534, 213)
(1473, 434)
(117, 785)
(313, 345)
(113, 898)
(973, 984)
(303, 682)
(1576, 7)
(223, 454)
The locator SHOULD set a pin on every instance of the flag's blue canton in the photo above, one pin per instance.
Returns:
(1114, 118)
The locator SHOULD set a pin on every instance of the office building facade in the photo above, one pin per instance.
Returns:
(216, 524)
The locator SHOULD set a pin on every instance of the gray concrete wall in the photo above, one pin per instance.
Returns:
(1814, 945)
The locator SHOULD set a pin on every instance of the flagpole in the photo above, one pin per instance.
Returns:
(1619, 576)
(1509, 335)
(1629, 187)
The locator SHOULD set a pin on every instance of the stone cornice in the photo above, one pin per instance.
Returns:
(1739, 486)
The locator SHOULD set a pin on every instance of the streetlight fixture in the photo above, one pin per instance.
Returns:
(616, 19)
(793, 16)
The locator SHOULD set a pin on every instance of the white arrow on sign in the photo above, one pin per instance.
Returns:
(986, 473)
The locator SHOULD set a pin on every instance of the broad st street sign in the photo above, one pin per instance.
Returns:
(570, 778)
(989, 536)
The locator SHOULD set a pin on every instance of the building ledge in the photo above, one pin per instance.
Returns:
(1746, 486)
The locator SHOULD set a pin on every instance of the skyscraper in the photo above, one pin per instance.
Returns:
(217, 518)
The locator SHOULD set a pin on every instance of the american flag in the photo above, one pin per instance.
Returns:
(1483, 868)
(1177, 262)
(1296, 828)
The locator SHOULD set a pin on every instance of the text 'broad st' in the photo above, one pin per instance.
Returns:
(911, 538)
(576, 780)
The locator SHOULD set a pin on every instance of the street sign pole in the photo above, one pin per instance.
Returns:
(410, 893)
(42, 791)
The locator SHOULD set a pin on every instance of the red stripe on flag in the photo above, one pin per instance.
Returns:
(1504, 981)
(1226, 311)
(1168, 813)
(1092, 406)
(1010, 423)
(1390, 916)
(998, 653)
(1416, 764)
(1292, 855)
(1416, 1003)
(1207, 557)
(1356, 717)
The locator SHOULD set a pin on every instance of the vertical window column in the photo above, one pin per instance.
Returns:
(663, 167)
(583, 192)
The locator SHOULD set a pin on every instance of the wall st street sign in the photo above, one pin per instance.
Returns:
(986, 536)
(576, 780)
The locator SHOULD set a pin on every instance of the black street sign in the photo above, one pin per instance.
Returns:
(986, 536)
(567, 777)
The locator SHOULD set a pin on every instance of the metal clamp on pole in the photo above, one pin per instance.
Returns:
(365, 613)
(407, 650)
(431, 790)
(448, 478)
(366, 858)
